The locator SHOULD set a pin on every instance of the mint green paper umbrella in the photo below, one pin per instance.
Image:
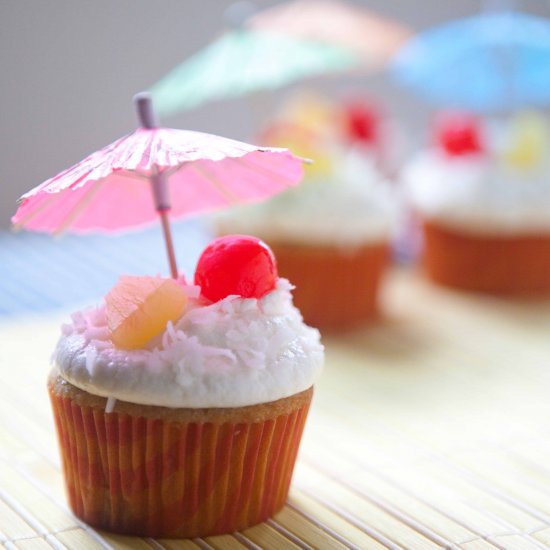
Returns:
(242, 61)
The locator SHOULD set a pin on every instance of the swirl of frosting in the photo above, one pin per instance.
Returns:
(476, 193)
(352, 208)
(231, 353)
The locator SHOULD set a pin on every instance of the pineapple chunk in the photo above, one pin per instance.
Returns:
(139, 308)
(529, 141)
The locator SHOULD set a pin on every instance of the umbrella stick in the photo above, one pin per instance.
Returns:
(162, 204)
(168, 240)
(147, 119)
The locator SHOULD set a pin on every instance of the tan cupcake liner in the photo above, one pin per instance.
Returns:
(335, 288)
(504, 264)
(157, 472)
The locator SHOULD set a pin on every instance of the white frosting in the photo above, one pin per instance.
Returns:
(349, 209)
(478, 194)
(232, 353)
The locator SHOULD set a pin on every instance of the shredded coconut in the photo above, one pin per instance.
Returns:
(235, 352)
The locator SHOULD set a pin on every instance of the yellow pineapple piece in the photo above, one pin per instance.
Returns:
(529, 143)
(312, 111)
(139, 308)
(305, 127)
(302, 142)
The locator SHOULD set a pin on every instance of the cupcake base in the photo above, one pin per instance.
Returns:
(336, 288)
(175, 473)
(507, 264)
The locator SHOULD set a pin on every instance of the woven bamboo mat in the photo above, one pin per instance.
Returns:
(430, 430)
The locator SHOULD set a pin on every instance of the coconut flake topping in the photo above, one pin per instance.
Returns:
(235, 352)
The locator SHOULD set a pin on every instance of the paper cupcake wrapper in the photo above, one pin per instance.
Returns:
(159, 478)
(496, 264)
(335, 288)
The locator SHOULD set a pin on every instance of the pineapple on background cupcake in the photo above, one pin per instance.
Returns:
(180, 406)
(482, 193)
(335, 229)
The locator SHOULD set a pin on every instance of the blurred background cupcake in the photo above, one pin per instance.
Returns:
(481, 188)
(334, 231)
(483, 196)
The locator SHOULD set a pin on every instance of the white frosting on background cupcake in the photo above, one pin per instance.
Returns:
(477, 194)
(232, 353)
(348, 208)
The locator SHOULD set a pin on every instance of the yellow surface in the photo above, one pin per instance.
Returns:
(430, 430)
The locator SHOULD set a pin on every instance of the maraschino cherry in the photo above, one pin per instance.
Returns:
(459, 134)
(361, 123)
(236, 265)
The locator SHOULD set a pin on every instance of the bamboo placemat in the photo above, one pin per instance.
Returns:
(430, 430)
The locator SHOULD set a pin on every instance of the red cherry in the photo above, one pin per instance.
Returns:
(361, 123)
(236, 264)
(459, 135)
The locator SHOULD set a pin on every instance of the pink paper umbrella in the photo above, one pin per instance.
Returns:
(188, 173)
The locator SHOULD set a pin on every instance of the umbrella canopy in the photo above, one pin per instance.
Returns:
(242, 61)
(109, 190)
(374, 38)
(155, 170)
(488, 62)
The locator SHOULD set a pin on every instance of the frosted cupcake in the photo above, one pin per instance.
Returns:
(179, 408)
(485, 210)
(334, 230)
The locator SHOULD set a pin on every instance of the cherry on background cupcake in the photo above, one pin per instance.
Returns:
(459, 134)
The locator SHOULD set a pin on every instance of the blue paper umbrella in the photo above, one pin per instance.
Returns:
(485, 63)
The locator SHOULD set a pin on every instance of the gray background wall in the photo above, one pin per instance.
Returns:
(70, 67)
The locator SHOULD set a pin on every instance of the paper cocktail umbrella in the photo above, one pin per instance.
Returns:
(187, 173)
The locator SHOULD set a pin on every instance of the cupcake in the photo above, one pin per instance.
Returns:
(334, 230)
(484, 206)
(179, 407)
